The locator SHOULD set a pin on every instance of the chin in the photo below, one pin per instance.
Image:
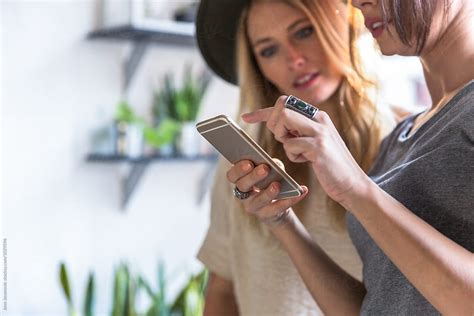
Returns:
(319, 98)
(323, 94)
(319, 93)
(390, 45)
(388, 51)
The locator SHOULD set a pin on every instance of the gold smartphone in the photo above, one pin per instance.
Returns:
(235, 145)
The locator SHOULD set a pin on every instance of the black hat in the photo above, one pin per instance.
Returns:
(216, 30)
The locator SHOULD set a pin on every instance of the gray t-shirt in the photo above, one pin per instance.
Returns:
(431, 172)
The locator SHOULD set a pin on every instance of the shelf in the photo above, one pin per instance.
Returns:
(139, 165)
(135, 34)
(146, 159)
(164, 32)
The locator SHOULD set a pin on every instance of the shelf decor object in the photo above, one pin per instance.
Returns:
(142, 22)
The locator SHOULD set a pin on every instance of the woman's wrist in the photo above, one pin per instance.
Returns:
(360, 196)
(286, 220)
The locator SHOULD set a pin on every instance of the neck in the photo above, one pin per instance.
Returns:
(449, 64)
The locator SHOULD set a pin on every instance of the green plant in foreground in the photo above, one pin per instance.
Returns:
(125, 289)
(158, 307)
(66, 286)
(189, 301)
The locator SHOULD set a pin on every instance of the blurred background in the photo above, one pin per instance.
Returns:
(104, 199)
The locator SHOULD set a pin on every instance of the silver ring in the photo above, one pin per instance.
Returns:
(297, 105)
(240, 195)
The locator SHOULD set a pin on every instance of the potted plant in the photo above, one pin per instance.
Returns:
(162, 136)
(129, 131)
(127, 287)
(133, 131)
(182, 105)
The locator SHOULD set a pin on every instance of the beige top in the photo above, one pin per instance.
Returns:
(265, 280)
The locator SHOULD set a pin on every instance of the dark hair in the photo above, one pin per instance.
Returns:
(412, 19)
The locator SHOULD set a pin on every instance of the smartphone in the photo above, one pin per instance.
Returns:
(235, 145)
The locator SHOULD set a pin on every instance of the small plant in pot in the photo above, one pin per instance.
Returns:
(162, 136)
(182, 105)
(135, 130)
(129, 131)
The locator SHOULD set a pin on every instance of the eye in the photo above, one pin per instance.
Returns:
(268, 51)
(304, 32)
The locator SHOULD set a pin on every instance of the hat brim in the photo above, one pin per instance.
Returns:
(216, 30)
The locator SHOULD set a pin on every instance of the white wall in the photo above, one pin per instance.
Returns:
(55, 205)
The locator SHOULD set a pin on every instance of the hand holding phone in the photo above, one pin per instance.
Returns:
(236, 145)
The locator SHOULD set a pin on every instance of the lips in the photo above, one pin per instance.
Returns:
(375, 26)
(305, 80)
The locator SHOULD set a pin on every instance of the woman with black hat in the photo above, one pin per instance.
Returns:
(269, 48)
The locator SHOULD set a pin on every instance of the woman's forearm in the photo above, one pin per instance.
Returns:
(220, 298)
(335, 291)
(441, 270)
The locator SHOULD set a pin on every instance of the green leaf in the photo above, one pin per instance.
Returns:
(63, 276)
(124, 113)
(190, 301)
(131, 296)
(162, 282)
(90, 296)
(120, 290)
(163, 134)
(181, 104)
(142, 283)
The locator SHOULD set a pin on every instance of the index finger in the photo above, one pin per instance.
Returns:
(264, 115)
(261, 115)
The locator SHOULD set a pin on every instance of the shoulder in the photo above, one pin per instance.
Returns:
(459, 117)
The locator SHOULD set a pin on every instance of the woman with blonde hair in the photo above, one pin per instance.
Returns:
(307, 49)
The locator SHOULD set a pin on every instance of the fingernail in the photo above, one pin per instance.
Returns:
(246, 167)
(246, 116)
(262, 170)
(274, 187)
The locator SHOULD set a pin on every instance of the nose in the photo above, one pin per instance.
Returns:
(295, 58)
(360, 4)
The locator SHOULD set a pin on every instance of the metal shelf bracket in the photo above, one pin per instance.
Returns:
(130, 180)
(131, 63)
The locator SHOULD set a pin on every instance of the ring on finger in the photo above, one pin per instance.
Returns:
(297, 105)
(240, 194)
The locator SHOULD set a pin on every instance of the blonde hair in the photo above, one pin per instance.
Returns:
(337, 27)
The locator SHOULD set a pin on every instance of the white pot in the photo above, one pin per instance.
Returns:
(134, 141)
(189, 141)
